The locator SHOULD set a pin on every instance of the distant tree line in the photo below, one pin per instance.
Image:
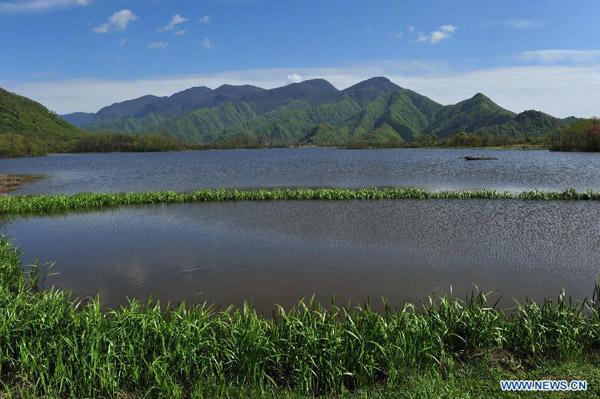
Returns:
(457, 140)
(17, 145)
(31, 144)
(235, 142)
(127, 143)
(581, 135)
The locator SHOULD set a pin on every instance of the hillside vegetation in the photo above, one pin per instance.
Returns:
(29, 129)
(375, 112)
(55, 346)
(581, 135)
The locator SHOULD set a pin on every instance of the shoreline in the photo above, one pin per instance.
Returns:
(507, 148)
(309, 350)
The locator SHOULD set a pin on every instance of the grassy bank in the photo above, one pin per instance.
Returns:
(53, 346)
(44, 204)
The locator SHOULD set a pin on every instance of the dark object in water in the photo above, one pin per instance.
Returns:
(479, 158)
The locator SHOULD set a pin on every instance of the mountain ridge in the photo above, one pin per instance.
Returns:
(374, 110)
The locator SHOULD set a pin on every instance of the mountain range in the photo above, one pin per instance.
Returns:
(313, 111)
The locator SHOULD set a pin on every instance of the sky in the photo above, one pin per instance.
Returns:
(81, 55)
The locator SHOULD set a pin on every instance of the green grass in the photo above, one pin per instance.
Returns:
(45, 204)
(52, 345)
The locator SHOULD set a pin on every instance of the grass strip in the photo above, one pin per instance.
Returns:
(51, 204)
(54, 346)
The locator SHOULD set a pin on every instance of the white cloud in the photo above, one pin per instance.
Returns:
(158, 45)
(396, 35)
(38, 6)
(117, 21)
(123, 42)
(448, 28)
(438, 36)
(516, 23)
(558, 90)
(560, 55)
(294, 78)
(175, 20)
(410, 28)
(422, 37)
(180, 32)
(205, 19)
(444, 32)
(207, 44)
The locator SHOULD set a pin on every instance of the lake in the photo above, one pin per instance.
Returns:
(278, 252)
(434, 169)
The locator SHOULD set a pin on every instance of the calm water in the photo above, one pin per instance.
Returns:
(282, 251)
(432, 169)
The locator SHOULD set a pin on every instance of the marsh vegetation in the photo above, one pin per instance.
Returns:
(51, 204)
(53, 345)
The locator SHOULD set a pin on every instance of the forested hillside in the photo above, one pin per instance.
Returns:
(313, 112)
(27, 128)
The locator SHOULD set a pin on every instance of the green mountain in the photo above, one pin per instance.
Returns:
(204, 125)
(153, 108)
(470, 116)
(365, 92)
(142, 125)
(404, 111)
(79, 119)
(315, 112)
(27, 128)
(312, 92)
(126, 109)
(570, 120)
(526, 124)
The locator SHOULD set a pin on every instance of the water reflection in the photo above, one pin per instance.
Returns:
(278, 252)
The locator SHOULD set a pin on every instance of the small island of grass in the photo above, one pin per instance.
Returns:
(10, 183)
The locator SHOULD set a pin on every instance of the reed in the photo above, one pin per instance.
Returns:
(52, 345)
(52, 204)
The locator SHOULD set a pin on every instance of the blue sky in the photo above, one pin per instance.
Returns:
(80, 55)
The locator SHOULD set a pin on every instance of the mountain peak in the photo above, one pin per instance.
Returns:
(313, 92)
(532, 114)
(480, 97)
(380, 83)
(368, 90)
(237, 90)
(378, 79)
(481, 101)
(316, 83)
(229, 87)
(193, 90)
